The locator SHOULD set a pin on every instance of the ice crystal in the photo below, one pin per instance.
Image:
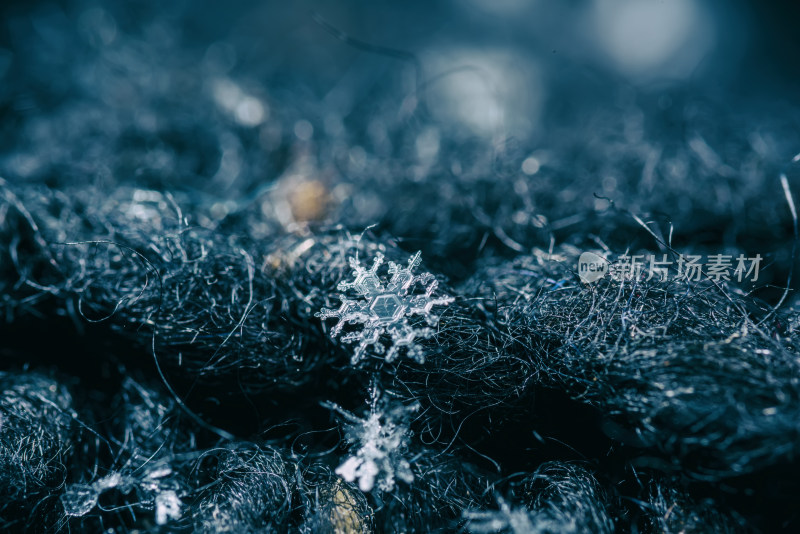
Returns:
(379, 442)
(79, 499)
(385, 309)
(168, 506)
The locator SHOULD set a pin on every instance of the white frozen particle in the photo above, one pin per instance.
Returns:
(80, 499)
(385, 309)
(379, 442)
(168, 506)
(358, 468)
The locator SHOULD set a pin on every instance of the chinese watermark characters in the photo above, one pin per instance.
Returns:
(688, 267)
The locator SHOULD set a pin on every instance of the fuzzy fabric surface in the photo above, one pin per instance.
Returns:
(356, 268)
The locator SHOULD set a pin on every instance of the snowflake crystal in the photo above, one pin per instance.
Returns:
(385, 309)
(153, 489)
(379, 443)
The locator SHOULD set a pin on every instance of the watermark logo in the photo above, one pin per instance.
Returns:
(717, 267)
(591, 267)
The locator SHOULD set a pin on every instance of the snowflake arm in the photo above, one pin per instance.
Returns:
(402, 279)
(366, 281)
(350, 311)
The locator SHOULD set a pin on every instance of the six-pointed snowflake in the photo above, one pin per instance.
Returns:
(386, 308)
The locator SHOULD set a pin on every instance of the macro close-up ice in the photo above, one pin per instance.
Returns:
(470, 266)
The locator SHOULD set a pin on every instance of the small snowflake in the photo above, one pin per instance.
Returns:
(155, 490)
(385, 309)
(379, 441)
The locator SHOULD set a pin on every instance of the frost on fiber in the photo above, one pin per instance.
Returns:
(558, 497)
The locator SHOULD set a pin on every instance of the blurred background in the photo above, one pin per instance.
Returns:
(490, 65)
(523, 121)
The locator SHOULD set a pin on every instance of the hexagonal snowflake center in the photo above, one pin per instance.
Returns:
(387, 308)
